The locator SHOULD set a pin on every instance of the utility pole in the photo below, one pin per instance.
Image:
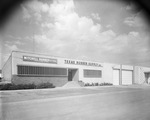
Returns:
(133, 78)
(120, 76)
(33, 43)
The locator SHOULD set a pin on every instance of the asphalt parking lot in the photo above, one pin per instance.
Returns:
(86, 103)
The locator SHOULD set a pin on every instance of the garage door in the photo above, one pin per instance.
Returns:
(127, 77)
(115, 77)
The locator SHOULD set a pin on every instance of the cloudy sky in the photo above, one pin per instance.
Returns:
(96, 30)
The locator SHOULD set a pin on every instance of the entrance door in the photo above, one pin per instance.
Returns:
(147, 77)
(69, 75)
(73, 75)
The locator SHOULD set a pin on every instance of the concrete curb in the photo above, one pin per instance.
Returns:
(54, 89)
(67, 88)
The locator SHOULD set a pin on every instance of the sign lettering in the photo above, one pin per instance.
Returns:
(82, 63)
(39, 59)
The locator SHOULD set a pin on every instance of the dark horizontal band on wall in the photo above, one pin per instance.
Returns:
(92, 73)
(20, 75)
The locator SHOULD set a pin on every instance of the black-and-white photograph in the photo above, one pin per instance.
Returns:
(74, 60)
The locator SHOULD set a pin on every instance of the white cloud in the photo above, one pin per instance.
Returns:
(108, 26)
(109, 33)
(13, 37)
(133, 33)
(132, 7)
(26, 14)
(70, 35)
(34, 8)
(48, 25)
(136, 20)
(128, 7)
(45, 7)
(38, 16)
(11, 47)
(96, 16)
(40, 38)
(61, 7)
(130, 21)
(38, 6)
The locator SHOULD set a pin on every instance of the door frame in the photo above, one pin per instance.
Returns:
(74, 74)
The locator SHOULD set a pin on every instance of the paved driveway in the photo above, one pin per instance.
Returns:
(89, 103)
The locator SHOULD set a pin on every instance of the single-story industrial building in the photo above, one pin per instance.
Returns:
(25, 67)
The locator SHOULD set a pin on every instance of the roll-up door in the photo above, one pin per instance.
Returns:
(115, 77)
(127, 77)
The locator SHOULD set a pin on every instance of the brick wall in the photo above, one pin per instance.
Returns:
(56, 81)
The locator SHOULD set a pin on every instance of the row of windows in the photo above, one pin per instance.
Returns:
(41, 71)
(49, 71)
(92, 73)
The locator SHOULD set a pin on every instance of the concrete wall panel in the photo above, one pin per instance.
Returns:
(107, 73)
(56, 81)
(7, 70)
(116, 77)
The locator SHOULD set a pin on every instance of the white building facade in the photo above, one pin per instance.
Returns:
(25, 68)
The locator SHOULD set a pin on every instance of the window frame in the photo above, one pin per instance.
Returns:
(87, 73)
(37, 69)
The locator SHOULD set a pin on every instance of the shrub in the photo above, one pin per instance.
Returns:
(92, 84)
(105, 84)
(45, 85)
(86, 84)
(101, 84)
(97, 84)
(10, 86)
(6, 86)
(26, 86)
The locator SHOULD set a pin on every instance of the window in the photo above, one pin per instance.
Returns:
(92, 73)
(41, 71)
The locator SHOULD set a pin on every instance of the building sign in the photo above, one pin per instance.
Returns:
(82, 63)
(39, 59)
